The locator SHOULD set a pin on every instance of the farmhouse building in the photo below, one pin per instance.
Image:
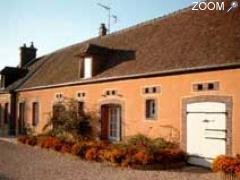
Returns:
(175, 77)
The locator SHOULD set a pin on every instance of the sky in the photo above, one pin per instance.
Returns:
(54, 24)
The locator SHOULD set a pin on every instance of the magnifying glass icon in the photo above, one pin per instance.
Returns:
(234, 5)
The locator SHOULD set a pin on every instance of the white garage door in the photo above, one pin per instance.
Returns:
(206, 132)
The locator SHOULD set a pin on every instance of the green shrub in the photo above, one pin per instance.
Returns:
(66, 122)
(139, 140)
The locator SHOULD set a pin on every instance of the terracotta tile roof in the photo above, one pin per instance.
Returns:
(186, 39)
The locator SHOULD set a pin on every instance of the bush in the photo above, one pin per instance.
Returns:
(91, 154)
(139, 140)
(49, 142)
(137, 152)
(160, 143)
(66, 148)
(117, 155)
(79, 149)
(32, 141)
(147, 144)
(142, 158)
(169, 156)
(23, 139)
(227, 165)
(66, 121)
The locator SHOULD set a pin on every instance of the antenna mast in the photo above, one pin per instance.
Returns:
(108, 8)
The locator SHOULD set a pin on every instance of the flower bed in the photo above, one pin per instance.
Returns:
(136, 153)
(228, 167)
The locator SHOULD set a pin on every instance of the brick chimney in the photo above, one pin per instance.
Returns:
(102, 30)
(27, 54)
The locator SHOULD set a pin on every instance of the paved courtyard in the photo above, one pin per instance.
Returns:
(20, 162)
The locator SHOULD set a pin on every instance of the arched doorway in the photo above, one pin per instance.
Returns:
(111, 118)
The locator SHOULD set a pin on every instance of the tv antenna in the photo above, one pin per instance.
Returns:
(108, 9)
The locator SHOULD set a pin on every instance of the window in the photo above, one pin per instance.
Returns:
(80, 108)
(81, 94)
(110, 93)
(113, 92)
(151, 109)
(146, 90)
(6, 113)
(206, 86)
(210, 86)
(152, 90)
(59, 97)
(87, 67)
(199, 87)
(35, 113)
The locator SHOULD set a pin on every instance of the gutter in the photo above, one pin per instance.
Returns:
(138, 76)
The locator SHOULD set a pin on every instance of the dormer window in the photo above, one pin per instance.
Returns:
(88, 67)
(2, 81)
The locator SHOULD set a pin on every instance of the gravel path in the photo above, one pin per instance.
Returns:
(20, 162)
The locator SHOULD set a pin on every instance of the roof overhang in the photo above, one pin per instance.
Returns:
(140, 75)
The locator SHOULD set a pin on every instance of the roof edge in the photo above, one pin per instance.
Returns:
(137, 76)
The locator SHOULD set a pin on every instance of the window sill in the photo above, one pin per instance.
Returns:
(150, 120)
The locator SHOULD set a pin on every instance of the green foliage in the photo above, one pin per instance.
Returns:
(148, 144)
(139, 140)
(67, 123)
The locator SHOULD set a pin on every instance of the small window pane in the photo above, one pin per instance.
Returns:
(150, 109)
(211, 86)
(154, 89)
(199, 87)
(146, 90)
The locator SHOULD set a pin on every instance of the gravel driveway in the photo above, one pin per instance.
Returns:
(20, 162)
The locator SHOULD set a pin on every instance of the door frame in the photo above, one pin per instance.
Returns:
(114, 101)
(208, 98)
(118, 123)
